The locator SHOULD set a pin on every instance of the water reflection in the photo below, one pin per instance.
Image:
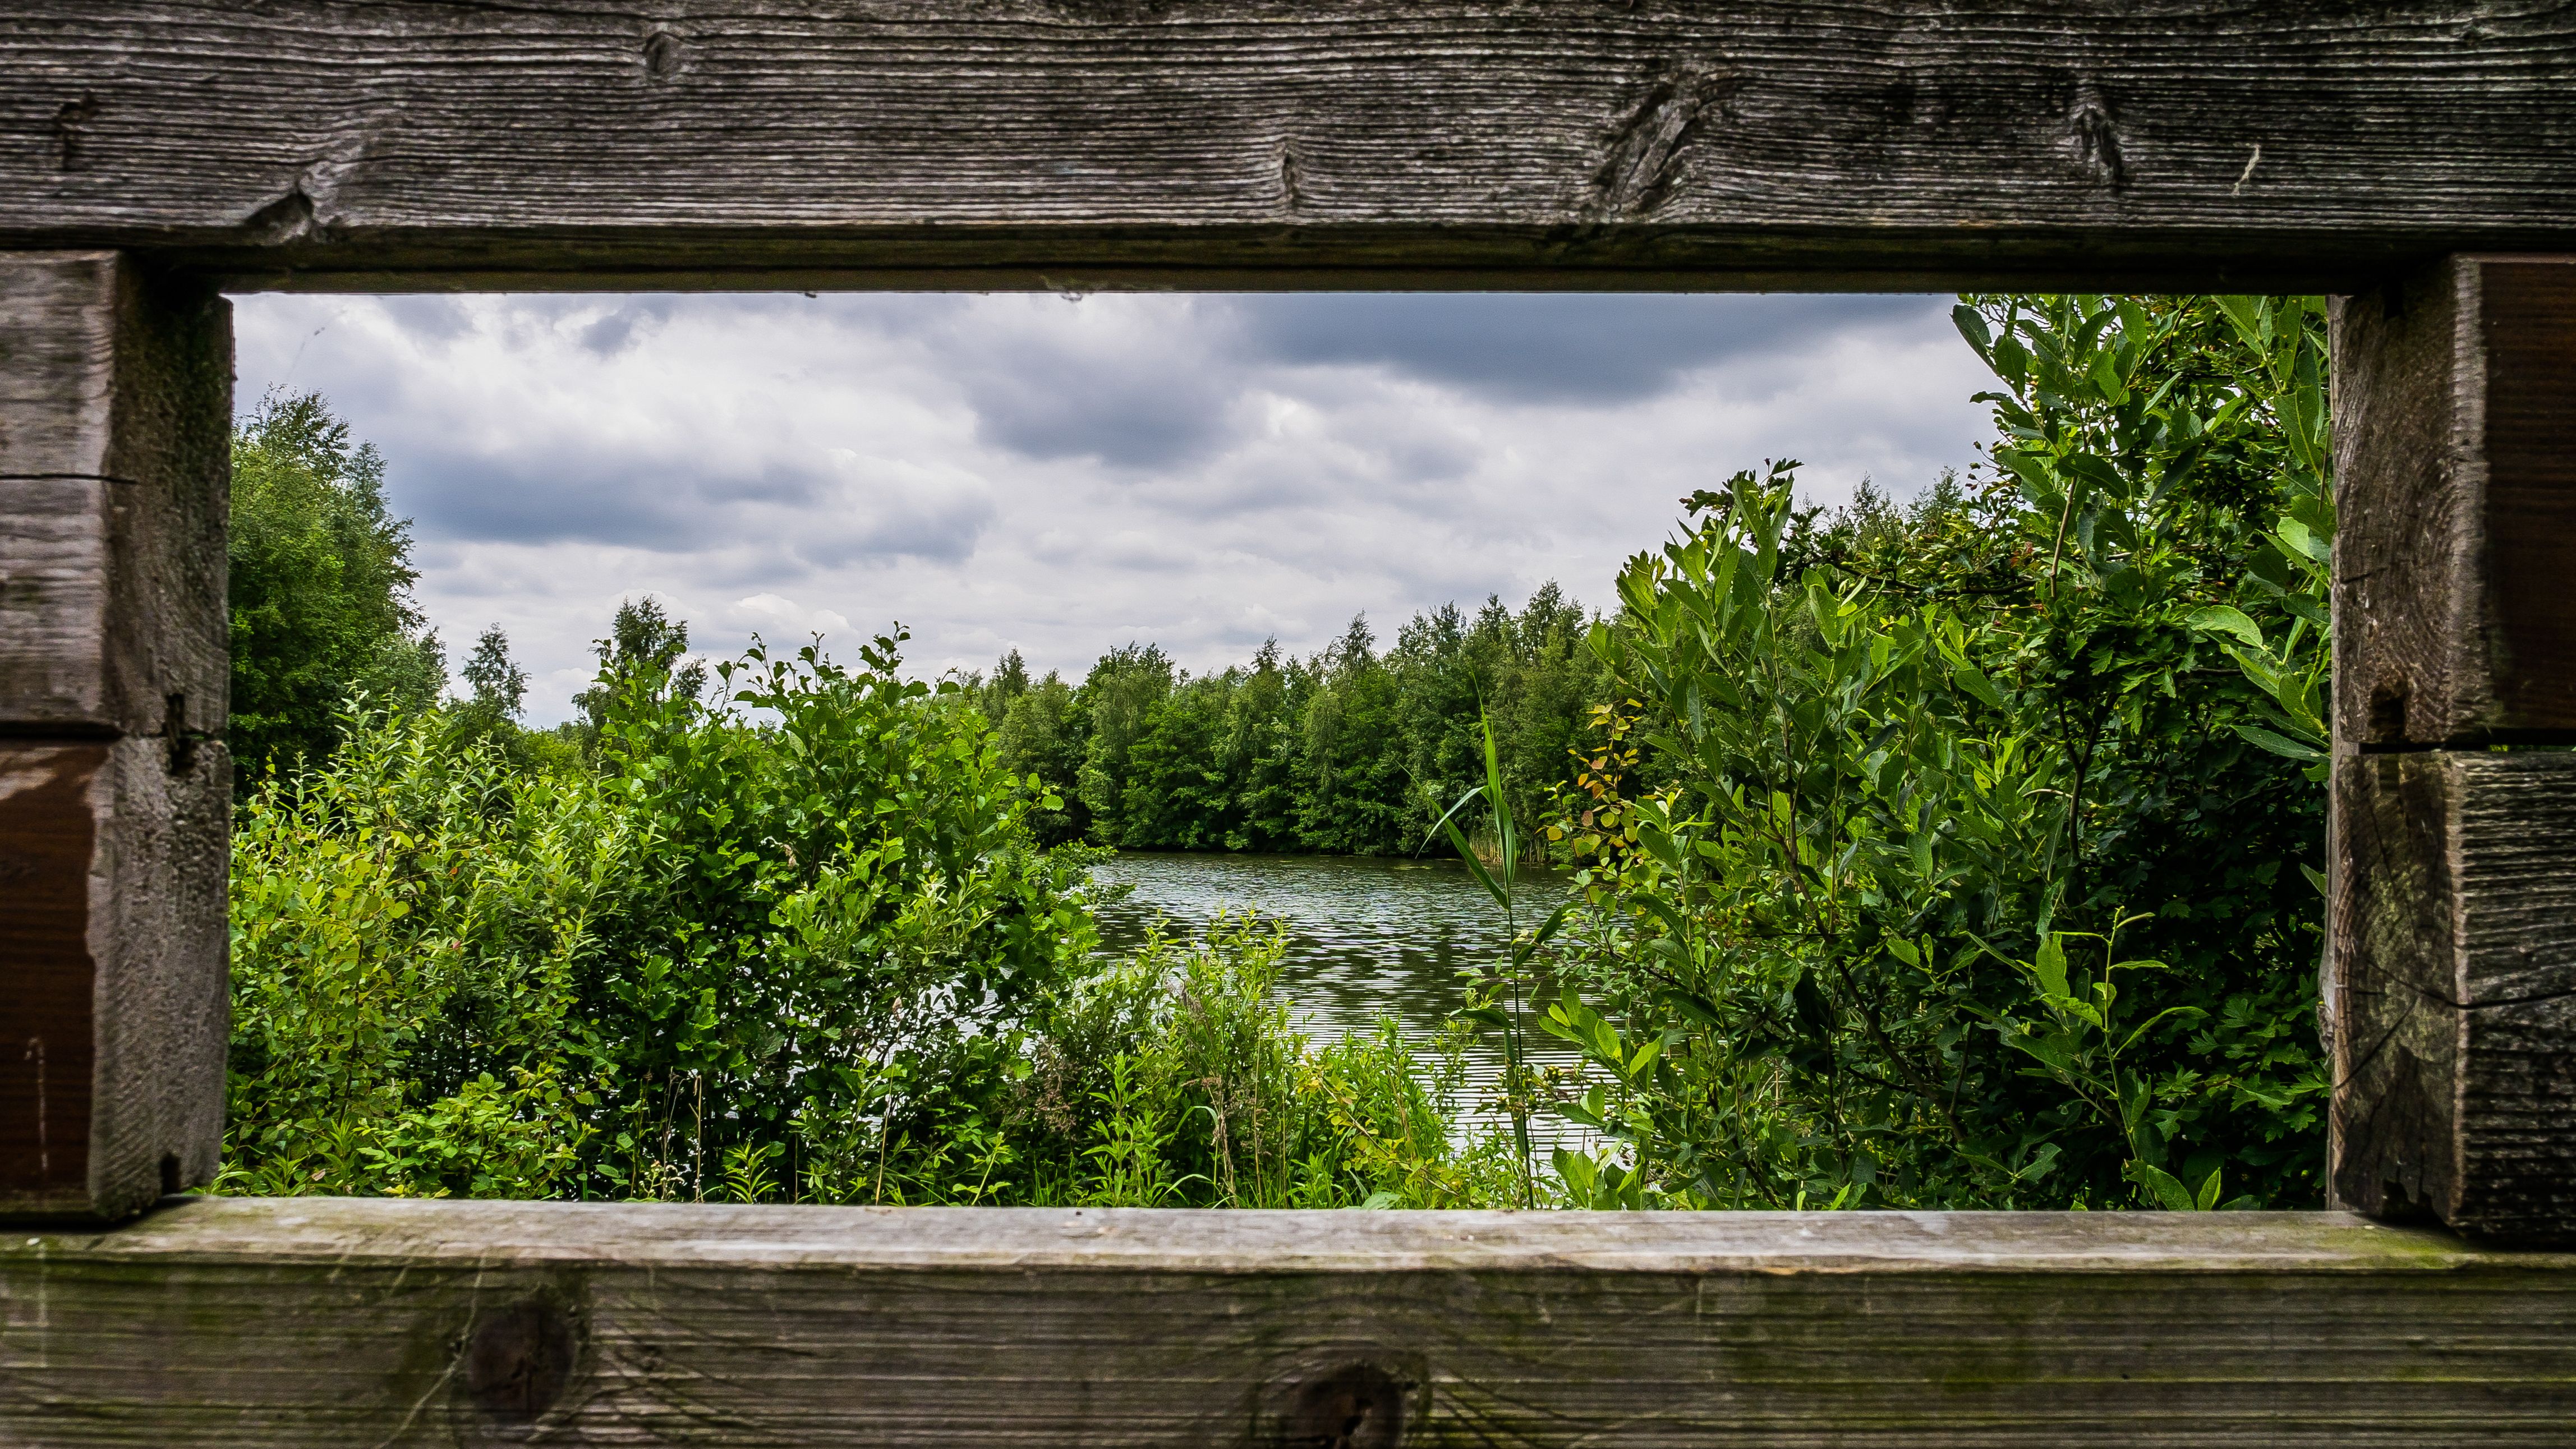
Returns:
(1369, 937)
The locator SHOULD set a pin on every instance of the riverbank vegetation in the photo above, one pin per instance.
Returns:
(1949, 852)
(1354, 751)
(817, 958)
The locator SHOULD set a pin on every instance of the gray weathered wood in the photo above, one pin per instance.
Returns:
(328, 143)
(322, 1322)
(115, 428)
(112, 940)
(115, 788)
(2450, 986)
(2455, 428)
(2454, 967)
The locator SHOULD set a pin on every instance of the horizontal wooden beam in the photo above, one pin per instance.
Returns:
(335, 1322)
(1916, 143)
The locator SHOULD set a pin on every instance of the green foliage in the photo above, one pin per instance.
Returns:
(1173, 1077)
(1350, 752)
(320, 588)
(411, 922)
(727, 934)
(1951, 854)
(1497, 992)
(795, 944)
(2075, 703)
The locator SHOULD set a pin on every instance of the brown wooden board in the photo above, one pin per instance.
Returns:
(112, 942)
(2453, 964)
(2455, 431)
(2301, 144)
(337, 1322)
(115, 436)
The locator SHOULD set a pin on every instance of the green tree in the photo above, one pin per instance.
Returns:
(645, 655)
(1043, 731)
(1355, 785)
(1121, 692)
(320, 590)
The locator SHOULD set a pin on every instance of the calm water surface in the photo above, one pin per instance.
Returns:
(1369, 937)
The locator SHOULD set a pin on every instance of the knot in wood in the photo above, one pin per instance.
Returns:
(1643, 162)
(1357, 1406)
(662, 53)
(2096, 136)
(519, 1360)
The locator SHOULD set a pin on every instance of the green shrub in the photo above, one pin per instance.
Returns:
(1961, 854)
(794, 945)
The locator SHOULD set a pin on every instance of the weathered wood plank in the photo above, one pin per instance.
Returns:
(2455, 426)
(2182, 143)
(2451, 964)
(315, 1321)
(2455, 968)
(112, 939)
(115, 429)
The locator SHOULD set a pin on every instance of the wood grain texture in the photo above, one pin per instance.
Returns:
(1928, 143)
(314, 1321)
(112, 936)
(2455, 432)
(115, 429)
(2453, 953)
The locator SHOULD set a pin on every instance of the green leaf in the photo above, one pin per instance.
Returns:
(1972, 326)
(2229, 620)
(1642, 1058)
(2050, 968)
(1972, 679)
(2277, 744)
(2247, 314)
(2207, 1198)
(2297, 537)
(2168, 1190)
(1548, 928)
(1475, 867)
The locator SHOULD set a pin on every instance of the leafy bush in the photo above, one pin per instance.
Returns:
(1173, 1077)
(1960, 854)
(808, 952)
(729, 935)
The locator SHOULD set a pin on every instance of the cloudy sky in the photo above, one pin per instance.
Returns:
(1063, 475)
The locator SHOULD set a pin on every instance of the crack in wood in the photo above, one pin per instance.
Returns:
(1643, 163)
(68, 124)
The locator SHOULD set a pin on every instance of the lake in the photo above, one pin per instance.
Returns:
(1369, 936)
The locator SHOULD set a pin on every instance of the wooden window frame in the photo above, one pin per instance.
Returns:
(2417, 160)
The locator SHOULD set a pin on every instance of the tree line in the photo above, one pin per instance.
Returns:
(1354, 750)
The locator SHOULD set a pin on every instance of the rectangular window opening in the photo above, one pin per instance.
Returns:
(1065, 750)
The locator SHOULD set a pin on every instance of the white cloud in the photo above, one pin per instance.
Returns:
(1001, 471)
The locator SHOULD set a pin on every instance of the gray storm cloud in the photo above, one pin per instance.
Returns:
(1057, 476)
